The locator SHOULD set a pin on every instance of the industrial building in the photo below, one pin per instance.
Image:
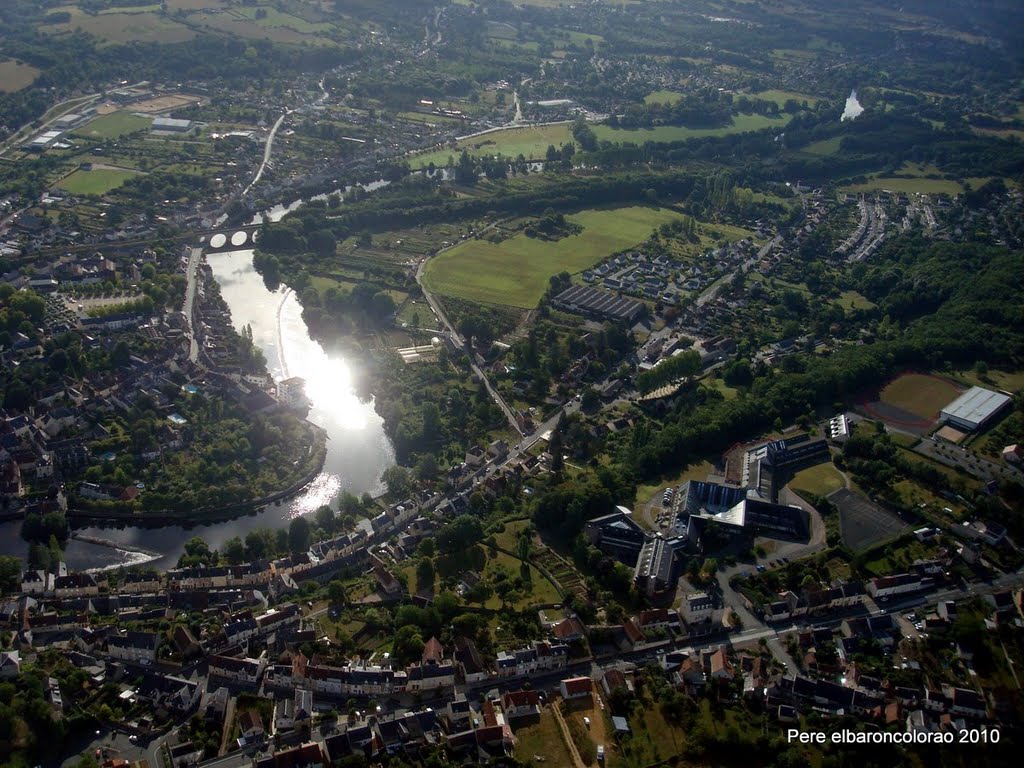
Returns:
(43, 141)
(584, 300)
(974, 408)
(172, 124)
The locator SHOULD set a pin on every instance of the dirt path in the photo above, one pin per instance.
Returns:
(229, 723)
(576, 759)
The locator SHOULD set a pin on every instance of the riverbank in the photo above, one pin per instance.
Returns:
(204, 515)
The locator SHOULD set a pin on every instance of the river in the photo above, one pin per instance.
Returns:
(358, 451)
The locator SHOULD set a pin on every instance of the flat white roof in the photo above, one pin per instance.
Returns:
(975, 405)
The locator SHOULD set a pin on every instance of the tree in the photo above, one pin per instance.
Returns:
(397, 480)
(10, 573)
(323, 242)
(408, 645)
(336, 592)
(234, 550)
(424, 574)
(325, 519)
(299, 534)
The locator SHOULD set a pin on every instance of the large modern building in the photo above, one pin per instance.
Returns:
(733, 512)
(974, 408)
(656, 568)
(617, 534)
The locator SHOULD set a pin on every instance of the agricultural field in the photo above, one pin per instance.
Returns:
(15, 75)
(96, 182)
(532, 143)
(820, 480)
(740, 124)
(516, 272)
(921, 394)
(114, 125)
(279, 27)
(121, 27)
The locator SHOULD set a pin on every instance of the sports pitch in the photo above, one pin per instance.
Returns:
(516, 272)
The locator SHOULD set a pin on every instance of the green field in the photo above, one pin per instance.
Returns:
(854, 300)
(740, 124)
(662, 97)
(15, 75)
(822, 480)
(114, 125)
(781, 97)
(516, 271)
(122, 27)
(97, 182)
(915, 179)
(532, 143)
(823, 147)
(542, 739)
(919, 394)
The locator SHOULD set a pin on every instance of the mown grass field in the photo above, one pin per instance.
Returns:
(114, 125)
(516, 272)
(740, 124)
(919, 394)
(821, 479)
(14, 75)
(97, 182)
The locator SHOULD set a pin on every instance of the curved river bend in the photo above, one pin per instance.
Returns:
(358, 451)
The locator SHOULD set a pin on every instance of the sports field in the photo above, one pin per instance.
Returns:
(862, 523)
(97, 182)
(920, 394)
(820, 480)
(114, 125)
(516, 271)
(662, 97)
(15, 75)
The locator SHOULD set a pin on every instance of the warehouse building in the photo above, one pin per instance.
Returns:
(584, 300)
(974, 408)
(172, 124)
(43, 141)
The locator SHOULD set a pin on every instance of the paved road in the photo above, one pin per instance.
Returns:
(267, 150)
(190, 298)
(461, 343)
(712, 290)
